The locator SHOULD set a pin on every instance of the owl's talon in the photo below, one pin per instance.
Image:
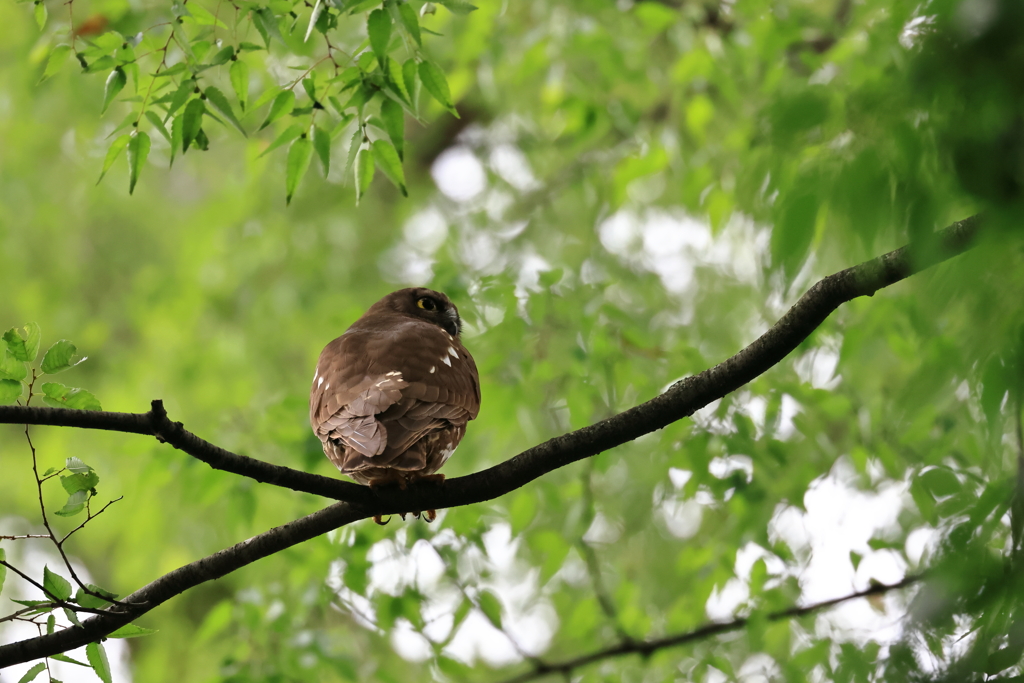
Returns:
(402, 515)
(379, 520)
(429, 516)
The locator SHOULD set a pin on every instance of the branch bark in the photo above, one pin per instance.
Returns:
(680, 400)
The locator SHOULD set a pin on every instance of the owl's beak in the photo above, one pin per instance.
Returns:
(452, 323)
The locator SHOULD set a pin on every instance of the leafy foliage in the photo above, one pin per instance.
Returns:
(175, 65)
(631, 193)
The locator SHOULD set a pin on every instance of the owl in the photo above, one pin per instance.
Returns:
(391, 396)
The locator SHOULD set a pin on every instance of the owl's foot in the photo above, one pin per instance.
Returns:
(428, 515)
(379, 519)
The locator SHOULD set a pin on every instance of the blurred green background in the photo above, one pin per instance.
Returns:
(634, 191)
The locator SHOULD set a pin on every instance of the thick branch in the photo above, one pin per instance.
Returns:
(646, 648)
(681, 400)
(156, 423)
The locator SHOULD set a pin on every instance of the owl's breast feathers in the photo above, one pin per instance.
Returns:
(395, 393)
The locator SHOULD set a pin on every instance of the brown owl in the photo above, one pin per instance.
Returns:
(391, 396)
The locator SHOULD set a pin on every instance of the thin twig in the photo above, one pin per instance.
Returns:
(645, 648)
(88, 519)
(14, 616)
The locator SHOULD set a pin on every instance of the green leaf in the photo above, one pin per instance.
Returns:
(410, 21)
(215, 97)
(10, 391)
(51, 624)
(364, 172)
(60, 357)
(178, 68)
(409, 77)
(317, 9)
(434, 81)
(491, 607)
(240, 81)
(73, 483)
(66, 659)
(72, 616)
(56, 60)
(3, 569)
(23, 343)
(378, 27)
(131, 631)
(59, 396)
(223, 56)
(940, 482)
(180, 97)
(138, 150)
(290, 133)
(11, 367)
(283, 103)
(56, 585)
(309, 85)
(299, 156)
(76, 466)
(458, 6)
(353, 149)
(115, 84)
(396, 79)
(394, 122)
(116, 147)
(359, 98)
(98, 659)
(387, 159)
(271, 23)
(32, 673)
(101, 64)
(192, 122)
(203, 16)
(159, 125)
(91, 601)
(74, 505)
(177, 136)
(266, 96)
(322, 145)
(40, 13)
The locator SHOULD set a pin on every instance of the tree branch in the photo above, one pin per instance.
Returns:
(646, 648)
(680, 400)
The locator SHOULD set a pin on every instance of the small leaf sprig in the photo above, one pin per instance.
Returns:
(19, 349)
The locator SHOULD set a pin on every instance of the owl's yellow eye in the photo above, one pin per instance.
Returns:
(426, 303)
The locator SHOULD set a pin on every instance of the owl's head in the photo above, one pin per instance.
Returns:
(420, 302)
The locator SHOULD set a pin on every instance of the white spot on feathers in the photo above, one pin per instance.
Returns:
(432, 368)
(451, 351)
(447, 361)
(321, 382)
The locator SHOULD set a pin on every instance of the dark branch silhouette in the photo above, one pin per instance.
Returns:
(681, 400)
(646, 648)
